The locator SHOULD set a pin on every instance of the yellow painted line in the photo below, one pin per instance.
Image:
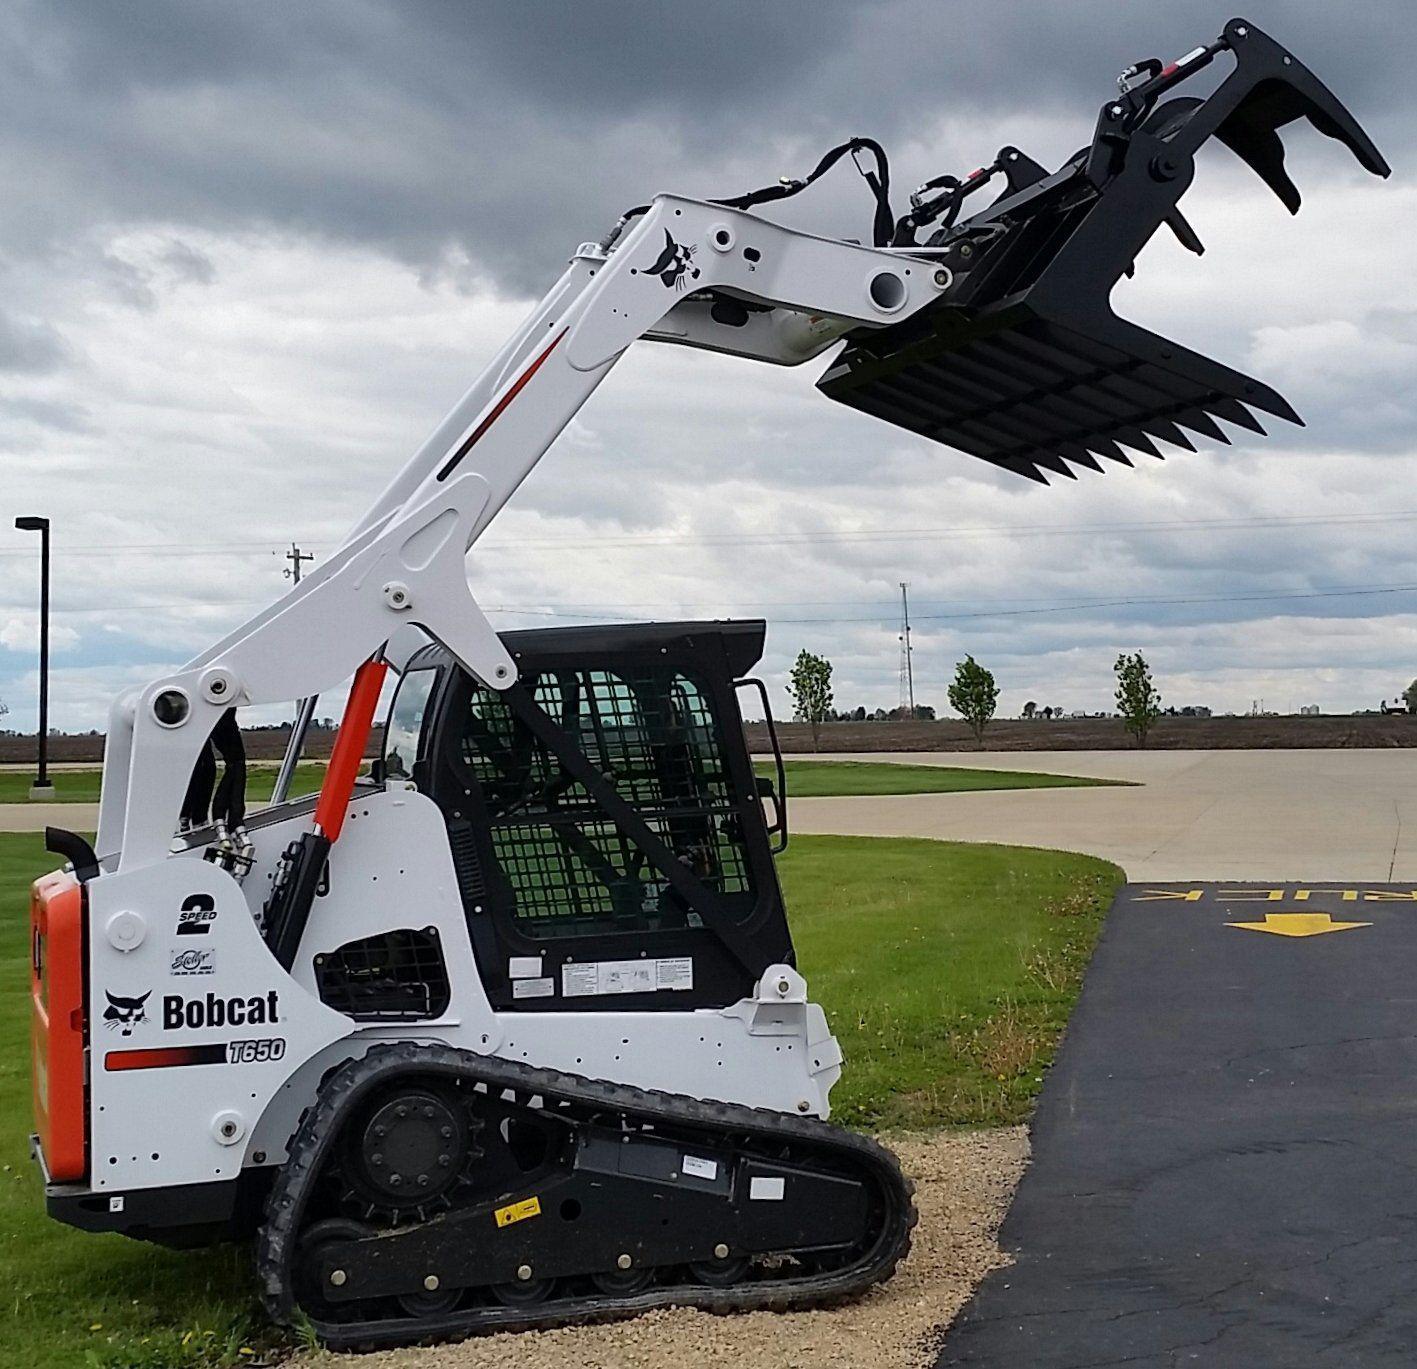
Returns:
(1298, 924)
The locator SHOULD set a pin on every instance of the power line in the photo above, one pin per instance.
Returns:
(886, 613)
(1255, 522)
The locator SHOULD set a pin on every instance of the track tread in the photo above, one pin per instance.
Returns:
(279, 1233)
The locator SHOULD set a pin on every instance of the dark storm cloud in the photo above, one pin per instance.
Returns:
(508, 131)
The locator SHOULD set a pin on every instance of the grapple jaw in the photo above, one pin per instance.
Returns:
(1022, 361)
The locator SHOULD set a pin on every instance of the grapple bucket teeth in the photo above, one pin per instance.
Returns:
(1022, 361)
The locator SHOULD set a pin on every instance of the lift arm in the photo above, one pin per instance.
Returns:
(404, 561)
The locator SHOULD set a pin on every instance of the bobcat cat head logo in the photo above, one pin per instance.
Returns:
(125, 1013)
(674, 262)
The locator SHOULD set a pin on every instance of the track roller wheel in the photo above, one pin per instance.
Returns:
(433, 1304)
(523, 1293)
(719, 1273)
(620, 1283)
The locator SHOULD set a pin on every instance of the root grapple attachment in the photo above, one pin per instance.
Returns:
(1022, 362)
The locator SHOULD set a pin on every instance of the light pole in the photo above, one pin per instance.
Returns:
(43, 787)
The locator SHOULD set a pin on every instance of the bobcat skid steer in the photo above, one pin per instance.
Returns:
(508, 1032)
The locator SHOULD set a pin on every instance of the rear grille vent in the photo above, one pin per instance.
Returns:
(396, 976)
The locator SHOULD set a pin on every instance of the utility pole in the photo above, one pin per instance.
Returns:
(43, 787)
(295, 556)
(907, 670)
(304, 708)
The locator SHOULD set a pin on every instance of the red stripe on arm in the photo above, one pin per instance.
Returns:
(500, 407)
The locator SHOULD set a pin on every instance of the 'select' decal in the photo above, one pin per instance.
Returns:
(189, 960)
(214, 1010)
(123, 1014)
(197, 915)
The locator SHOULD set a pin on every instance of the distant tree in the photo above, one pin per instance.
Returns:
(1138, 699)
(1047, 714)
(974, 696)
(924, 713)
(860, 714)
(1409, 697)
(1029, 709)
(809, 686)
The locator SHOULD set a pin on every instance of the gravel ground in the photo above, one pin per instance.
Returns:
(964, 1183)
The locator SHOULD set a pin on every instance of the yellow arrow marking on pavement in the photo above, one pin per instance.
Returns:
(1298, 924)
(1184, 895)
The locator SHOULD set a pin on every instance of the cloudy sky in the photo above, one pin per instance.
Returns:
(249, 255)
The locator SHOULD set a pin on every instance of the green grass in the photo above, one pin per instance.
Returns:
(81, 786)
(805, 779)
(948, 972)
(819, 779)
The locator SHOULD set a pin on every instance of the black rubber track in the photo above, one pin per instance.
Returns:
(278, 1239)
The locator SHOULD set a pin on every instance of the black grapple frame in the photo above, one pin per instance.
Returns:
(1023, 363)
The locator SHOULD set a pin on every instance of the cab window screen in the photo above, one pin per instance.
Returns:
(651, 731)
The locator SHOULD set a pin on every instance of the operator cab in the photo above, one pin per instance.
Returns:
(605, 820)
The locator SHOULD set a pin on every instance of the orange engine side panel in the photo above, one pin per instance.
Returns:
(57, 1028)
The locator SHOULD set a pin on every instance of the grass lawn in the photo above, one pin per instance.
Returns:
(947, 970)
(805, 779)
(820, 779)
(81, 786)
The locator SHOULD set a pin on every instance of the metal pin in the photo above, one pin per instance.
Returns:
(720, 1251)
(624, 1262)
(524, 1272)
(337, 1277)
(431, 1283)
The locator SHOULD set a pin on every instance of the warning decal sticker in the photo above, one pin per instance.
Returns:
(581, 980)
(518, 1212)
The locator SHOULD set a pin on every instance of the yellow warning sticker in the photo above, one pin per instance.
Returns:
(518, 1212)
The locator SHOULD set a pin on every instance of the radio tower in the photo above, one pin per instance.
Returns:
(907, 673)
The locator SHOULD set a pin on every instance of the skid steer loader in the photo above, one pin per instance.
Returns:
(507, 1033)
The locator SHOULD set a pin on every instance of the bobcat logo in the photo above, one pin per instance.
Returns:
(674, 262)
(125, 1013)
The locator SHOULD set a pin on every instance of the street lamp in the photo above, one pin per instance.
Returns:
(43, 787)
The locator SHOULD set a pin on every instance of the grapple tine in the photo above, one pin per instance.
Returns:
(1171, 433)
(1232, 411)
(1197, 420)
(1080, 454)
(1022, 466)
(1134, 437)
(1052, 463)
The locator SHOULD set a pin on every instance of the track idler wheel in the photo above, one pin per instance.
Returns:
(312, 1290)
